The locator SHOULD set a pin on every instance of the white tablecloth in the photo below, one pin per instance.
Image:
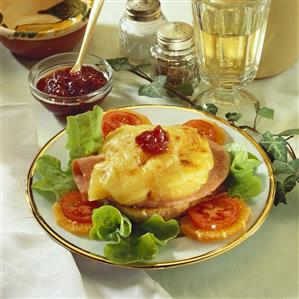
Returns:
(265, 265)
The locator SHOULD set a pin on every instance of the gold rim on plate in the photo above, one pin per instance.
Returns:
(161, 265)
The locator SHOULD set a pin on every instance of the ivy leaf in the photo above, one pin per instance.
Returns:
(291, 167)
(289, 132)
(275, 146)
(211, 108)
(66, 9)
(280, 196)
(121, 64)
(155, 89)
(289, 183)
(233, 116)
(185, 89)
(266, 112)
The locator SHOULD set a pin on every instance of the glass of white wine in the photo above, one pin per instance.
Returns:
(229, 36)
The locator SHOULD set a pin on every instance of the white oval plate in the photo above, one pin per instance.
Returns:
(181, 250)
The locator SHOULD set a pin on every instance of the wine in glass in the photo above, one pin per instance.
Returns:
(229, 36)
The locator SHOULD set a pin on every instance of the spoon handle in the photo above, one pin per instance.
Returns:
(94, 13)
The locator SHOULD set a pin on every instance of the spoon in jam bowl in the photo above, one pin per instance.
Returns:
(94, 13)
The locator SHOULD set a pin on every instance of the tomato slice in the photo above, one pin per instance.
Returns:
(73, 227)
(76, 208)
(116, 118)
(208, 129)
(216, 213)
(190, 229)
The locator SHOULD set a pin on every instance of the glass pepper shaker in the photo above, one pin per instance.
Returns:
(138, 29)
(174, 54)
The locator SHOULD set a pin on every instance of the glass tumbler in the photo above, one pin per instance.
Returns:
(229, 36)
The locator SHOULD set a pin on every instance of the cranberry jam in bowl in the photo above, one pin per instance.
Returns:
(65, 93)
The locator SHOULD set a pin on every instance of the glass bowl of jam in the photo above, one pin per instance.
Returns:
(65, 93)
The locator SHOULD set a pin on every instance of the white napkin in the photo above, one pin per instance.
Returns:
(102, 281)
(34, 266)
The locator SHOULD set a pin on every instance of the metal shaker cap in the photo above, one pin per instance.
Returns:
(177, 36)
(143, 10)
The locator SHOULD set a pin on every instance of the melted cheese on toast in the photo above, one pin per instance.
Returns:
(130, 176)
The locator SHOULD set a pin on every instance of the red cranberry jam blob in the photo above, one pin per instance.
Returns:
(153, 142)
(62, 83)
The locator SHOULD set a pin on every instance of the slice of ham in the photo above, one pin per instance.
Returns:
(217, 175)
(82, 169)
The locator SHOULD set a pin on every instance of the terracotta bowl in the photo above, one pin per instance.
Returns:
(38, 29)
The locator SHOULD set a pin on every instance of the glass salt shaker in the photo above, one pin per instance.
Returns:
(138, 29)
(174, 54)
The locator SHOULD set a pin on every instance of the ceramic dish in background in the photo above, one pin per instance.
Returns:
(38, 29)
(179, 251)
(64, 106)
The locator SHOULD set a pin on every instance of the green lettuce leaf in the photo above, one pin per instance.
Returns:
(130, 246)
(51, 177)
(109, 224)
(84, 137)
(162, 230)
(139, 248)
(242, 181)
(132, 250)
(84, 133)
(249, 186)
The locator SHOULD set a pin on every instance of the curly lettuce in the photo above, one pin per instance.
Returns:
(84, 133)
(162, 230)
(131, 245)
(109, 224)
(132, 250)
(242, 181)
(84, 137)
(52, 178)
